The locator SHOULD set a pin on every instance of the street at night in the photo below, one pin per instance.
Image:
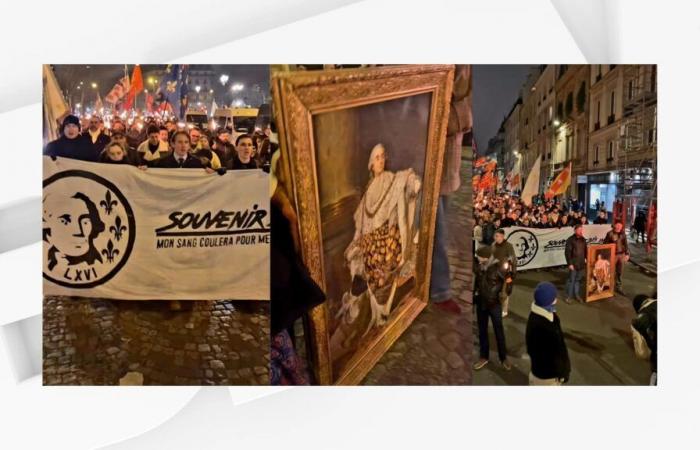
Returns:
(597, 334)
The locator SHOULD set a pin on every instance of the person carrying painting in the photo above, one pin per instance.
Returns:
(622, 252)
(575, 253)
(544, 338)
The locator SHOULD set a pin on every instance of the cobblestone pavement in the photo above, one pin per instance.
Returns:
(597, 334)
(97, 342)
(436, 348)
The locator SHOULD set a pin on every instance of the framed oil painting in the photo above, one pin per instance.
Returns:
(362, 153)
(600, 272)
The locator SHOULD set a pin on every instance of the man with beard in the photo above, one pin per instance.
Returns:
(96, 136)
(622, 252)
(71, 144)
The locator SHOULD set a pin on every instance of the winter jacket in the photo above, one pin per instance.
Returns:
(544, 338)
(77, 148)
(489, 284)
(575, 252)
(644, 332)
(620, 241)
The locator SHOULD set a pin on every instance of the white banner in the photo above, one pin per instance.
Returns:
(544, 247)
(114, 231)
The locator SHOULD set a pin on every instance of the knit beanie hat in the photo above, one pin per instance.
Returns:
(70, 119)
(545, 294)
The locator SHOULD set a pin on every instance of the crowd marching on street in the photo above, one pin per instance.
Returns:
(496, 271)
(162, 143)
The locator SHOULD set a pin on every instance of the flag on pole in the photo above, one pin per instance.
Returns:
(651, 227)
(135, 88)
(118, 91)
(560, 184)
(184, 90)
(172, 92)
(99, 107)
(214, 107)
(55, 106)
(532, 184)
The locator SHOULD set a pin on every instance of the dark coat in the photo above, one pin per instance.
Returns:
(640, 223)
(620, 241)
(236, 164)
(78, 148)
(293, 291)
(645, 324)
(547, 349)
(488, 230)
(170, 162)
(575, 252)
(489, 284)
(100, 143)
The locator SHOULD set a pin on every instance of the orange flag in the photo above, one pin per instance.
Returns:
(560, 184)
(135, 88)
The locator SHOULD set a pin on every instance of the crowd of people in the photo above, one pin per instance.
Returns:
(496, 270)
(162, 144)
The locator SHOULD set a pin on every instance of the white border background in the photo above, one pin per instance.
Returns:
(336, 31)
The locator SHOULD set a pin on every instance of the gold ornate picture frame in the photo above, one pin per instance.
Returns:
(308, 107)
(600, 272)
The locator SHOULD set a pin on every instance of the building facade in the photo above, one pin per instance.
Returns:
(570, 137)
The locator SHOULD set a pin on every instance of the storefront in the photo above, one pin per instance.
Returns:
(601, 191)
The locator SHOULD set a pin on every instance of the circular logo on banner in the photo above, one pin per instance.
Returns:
(88, 229)
(525, 245)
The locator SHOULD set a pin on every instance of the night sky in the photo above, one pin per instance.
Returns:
(495, 90)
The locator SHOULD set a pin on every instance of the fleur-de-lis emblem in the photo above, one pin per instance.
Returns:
(110, 252)
(108, 203)
(118, 229)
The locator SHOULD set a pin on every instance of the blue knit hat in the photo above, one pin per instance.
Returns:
(545, 294)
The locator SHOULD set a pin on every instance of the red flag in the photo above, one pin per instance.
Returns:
(651, 226)
(135, 88)
(490, 167)
(149, 103)
(118, 91)
(480, 162)
(560, 184)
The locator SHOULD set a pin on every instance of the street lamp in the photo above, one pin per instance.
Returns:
(237, 87)
(223, 79)
(94, 85)
(197, 89)
(557, 122)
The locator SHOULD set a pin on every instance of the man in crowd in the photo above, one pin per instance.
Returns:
(489, 280)
(243, 158)
(504, 252)
(71, 144)
(622, 252)
(644, 331)
(164, 134)
(153, 148)
(180, 157)
(575, 252)
(96, 136)
(601, 219)
(544, 338)
(223, 147)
